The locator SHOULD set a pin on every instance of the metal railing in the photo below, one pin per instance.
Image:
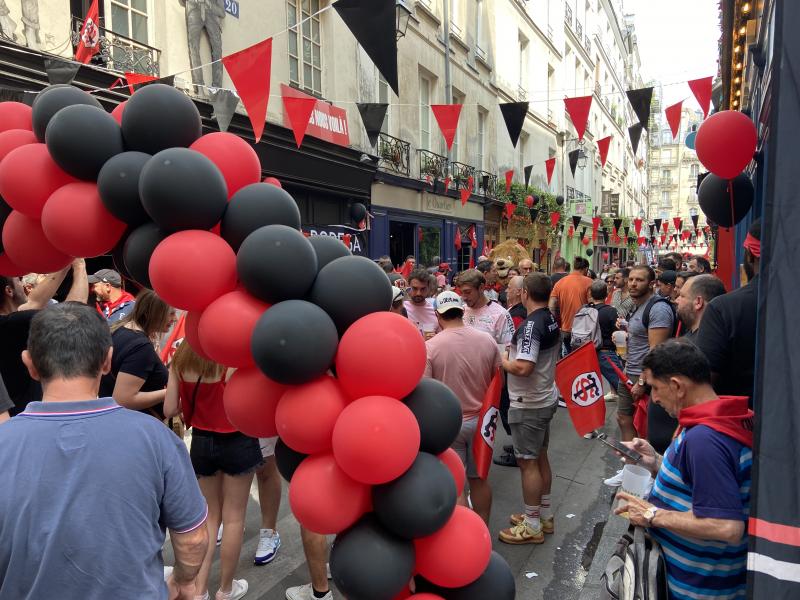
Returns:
(461, 173)
(522, 94)
(432, 165)
(394, 154)
(487, 183)
(588, 45)
(121, 53)
(568, 15)
(597, 88)
(578, 29)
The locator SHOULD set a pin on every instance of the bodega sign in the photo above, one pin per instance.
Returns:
(327, 122)
(352, 239)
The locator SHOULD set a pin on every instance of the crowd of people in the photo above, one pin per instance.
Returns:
(84, 396)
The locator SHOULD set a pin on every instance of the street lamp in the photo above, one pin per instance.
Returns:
(581, 158)
(403, 16)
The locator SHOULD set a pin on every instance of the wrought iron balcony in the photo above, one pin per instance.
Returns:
(568, 15)
(121, 53)
(522, 94)
(487, 183)
(597, 88)
(394, 154)
(461, 174)
(588, 45)
(432, 165)
(578, 29)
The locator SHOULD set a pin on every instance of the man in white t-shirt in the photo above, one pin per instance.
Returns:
(420, 307)
(481, 313)
(465, 360)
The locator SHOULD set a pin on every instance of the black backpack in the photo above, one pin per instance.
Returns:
(648, 307)
(636, 569)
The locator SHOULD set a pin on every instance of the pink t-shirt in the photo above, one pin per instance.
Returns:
(493, 319)
(422, 316)
(464, 359)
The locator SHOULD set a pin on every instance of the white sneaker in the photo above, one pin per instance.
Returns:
(614, 481)
(268, 543)
(304, 592)
(561, 403)
(238, 590)
(611, 397)
(219, 534)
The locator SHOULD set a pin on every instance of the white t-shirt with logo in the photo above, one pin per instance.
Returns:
(494, 320)
(423, 316)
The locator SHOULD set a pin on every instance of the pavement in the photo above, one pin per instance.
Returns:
(566, 567)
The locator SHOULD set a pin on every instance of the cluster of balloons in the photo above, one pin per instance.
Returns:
(319, 360)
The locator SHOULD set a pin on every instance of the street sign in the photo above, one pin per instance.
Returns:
(232, 8)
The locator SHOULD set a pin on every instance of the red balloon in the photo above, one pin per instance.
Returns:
(8, 268)
(324, 499)
(307, 414)
(28, 177)
(452, 461)
(425, 596)
(250, 400)
(234, 157)
(11, 139)
(726, 142)
(190, 327)
(529, 201)
(117, 112)
(190, 269)
(27, 246)
(376, 439)
(404, 593)
(15, 115)
(227, 325)
(77, 222)
(273, 181)
(458, 553)
(371, 343)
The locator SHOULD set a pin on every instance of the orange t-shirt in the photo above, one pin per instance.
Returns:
(572, 292)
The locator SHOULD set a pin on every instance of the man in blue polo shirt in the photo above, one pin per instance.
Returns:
(700, 500)
(87, 487)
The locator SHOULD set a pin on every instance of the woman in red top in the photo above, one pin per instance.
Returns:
(224, 460)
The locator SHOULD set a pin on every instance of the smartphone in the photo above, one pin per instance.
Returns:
(620, 447)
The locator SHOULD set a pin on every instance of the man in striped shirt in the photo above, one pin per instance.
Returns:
(700, 500)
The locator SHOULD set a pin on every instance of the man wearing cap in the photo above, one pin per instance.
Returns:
(112, 301)
(665, 283)
(465, 360)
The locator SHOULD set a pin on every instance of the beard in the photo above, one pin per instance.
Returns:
(418, 299)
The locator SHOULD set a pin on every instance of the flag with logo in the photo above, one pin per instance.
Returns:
(581, 385)
(174, 339)
(89, 42)
(483, 441)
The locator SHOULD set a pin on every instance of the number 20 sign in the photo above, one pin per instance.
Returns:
(232, 8)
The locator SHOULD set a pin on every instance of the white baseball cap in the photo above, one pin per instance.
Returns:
(447, 300)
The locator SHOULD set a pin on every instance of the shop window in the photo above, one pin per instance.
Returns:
(430, 245)
(305, 46)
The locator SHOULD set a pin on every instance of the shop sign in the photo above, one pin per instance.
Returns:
(438, 204)
(357, 245)
(327, 122)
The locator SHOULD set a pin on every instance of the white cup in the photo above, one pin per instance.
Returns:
(635, 481)
(620, 339)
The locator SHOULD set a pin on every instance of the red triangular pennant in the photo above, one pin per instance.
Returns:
(663, 237)
(686, 234)
(470, 182)
(555, 216)
(602, 146)
(250, 71)
(701, 88)
(446, 183)
(637, 225)
(447, 118)
(578, 109)
(465, 194)
(473, 237)
(665, 226)
(550, 165)
(678, 222)
(641, 240)
(510, 208)
(596, 223)
(299, 110)
(509, 177)
(673, 114)
(137, 78)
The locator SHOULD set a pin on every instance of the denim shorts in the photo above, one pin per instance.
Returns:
(232, 453)
(530, 430)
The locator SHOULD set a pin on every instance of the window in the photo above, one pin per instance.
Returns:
(666, 136)
(479, 29)
(383, 98)
(305, 55)
(454, 155)
(666, 176)
(694, 170)
(523, 61)
(455, 16)
(665, 198)
(424, 113)
(481, 134)
(666, 154)
(129, 18)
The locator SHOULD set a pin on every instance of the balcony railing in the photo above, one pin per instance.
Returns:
(568, 15)
(522, 94)
(121, 53)
(597, 88)
(461, 174)
(588, 45)
(487, 183)
(578, 29)
(432, 165)
(394, 154)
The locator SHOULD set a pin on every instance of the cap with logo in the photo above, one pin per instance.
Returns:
(447, 300)
(106, 276)
(399, 294)
(668, 277)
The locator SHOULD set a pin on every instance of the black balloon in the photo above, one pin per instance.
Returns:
(117, 255)
(351, 287)
(158, 117)
(182, 189)
(496, 582)
(589, 252)
(328, 249)
(419, 502)
(294, 342)
(254, 206)
(287, 460)
(358, 211)
(370, 563)
(118, 185)
(715, 200)
(559, 200)
(139, 248)
(276, 263)
(51, 100)
(81, 138)
(438, 413)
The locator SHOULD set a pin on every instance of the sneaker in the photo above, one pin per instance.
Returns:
(508, 448)
(561, 403)
(505, 460)
(268, 543)
(611, 397)
(614, 481)
(521, 534)
(548, 525)
(590, 435)
(304, 592)
(238, 590)
(219, 534)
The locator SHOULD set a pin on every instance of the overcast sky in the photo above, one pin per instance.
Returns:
(677, 42)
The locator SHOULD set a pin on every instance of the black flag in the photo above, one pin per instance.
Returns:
(604, 231)
(534, 212)
(640, 101)
(576, 220)
(514, 116)
(573, 161)
(652, 230)
(617, 224)
(528, 170)
(485, 183)
(224, 103)
(583, 233)
(657, 224)
(373, 23)
(372, 115)
(627, 230)
(695, 218)
(60, 70)
(635, 133)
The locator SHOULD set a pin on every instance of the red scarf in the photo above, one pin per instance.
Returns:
(109, 308)
(727, 414)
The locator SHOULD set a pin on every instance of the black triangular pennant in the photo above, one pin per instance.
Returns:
(60, 71)
(576, 221)
(657, 223)
(695, 218)
(224, 103)
(652, 230)
(617, 224)
(485, 183)
(583, 233)
(514, 116)
(627, 230)
(640, 101)
(372, 115)
(635, 133)
(604, 231)
(373, 24)
(573, 161)
(528, 170)
(534, 212)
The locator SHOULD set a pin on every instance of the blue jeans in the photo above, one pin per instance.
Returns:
(603, 356)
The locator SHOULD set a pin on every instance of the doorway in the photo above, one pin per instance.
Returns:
(401, 241)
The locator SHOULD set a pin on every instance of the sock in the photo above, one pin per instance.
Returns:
(319, 594)
(269, 532)
(547, 512)
(532, 517)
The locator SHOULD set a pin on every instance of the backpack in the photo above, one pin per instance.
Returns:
(636, 569)
(586, 327)
(649, 306)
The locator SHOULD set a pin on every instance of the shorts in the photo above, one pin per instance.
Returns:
(530, 430)
(463, 446)
(268, 446)
(232, 453)
(625, 403)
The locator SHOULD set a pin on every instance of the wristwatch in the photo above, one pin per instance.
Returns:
(640, 383)
(650, 514)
